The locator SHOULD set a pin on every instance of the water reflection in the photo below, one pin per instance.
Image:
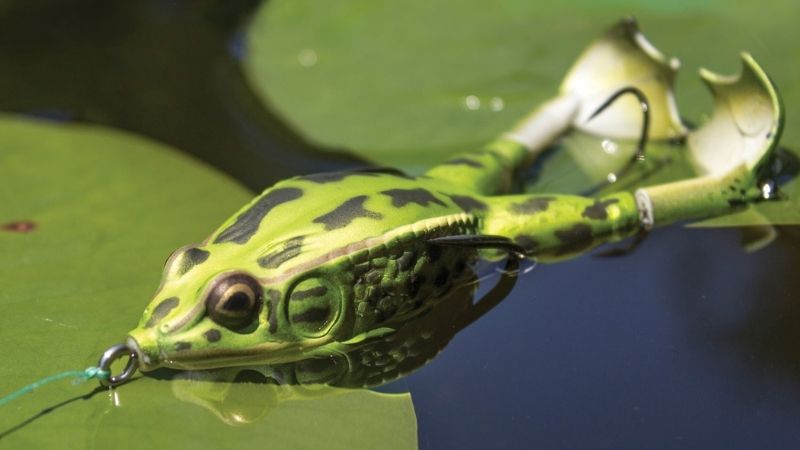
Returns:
(243, 395)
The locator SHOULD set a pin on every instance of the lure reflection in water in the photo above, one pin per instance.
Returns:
(243, 395)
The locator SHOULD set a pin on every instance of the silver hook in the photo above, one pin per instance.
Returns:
(643, 136)
(114, 353)
(644, 104)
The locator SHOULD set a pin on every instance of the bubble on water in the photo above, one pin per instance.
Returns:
(497, 104)
(307, 57)
(609, 146)
(472, 102)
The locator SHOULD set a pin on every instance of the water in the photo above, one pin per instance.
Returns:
(159, 68)
(688, 342)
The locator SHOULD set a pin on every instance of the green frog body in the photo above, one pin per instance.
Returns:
(325, 258)
(336, 258)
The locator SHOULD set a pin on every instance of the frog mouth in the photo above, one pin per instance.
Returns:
(154, 353)
(271, 353)
(148, 360)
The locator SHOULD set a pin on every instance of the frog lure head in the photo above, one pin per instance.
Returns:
(323, 261)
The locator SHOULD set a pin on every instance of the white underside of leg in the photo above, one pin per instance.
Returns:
(545, 124)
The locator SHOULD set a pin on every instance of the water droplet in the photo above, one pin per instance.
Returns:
(609, 146)
(307, 57)
(497, 104)
(768, 190)
(472, 102)
(612, 178)
(525, 266)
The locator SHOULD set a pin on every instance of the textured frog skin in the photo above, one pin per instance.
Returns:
(336, 258)
(369, 363)
(341, 254)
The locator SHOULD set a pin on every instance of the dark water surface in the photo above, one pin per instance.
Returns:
(165, 69)
(688, 342)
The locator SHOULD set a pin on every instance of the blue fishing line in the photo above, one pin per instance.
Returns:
(78, 375)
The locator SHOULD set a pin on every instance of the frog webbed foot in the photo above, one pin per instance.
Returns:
(730, 153)
(624, 59)
(746, 124)
(620, 61)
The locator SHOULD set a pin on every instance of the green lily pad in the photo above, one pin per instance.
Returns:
(88, 216)
(352, 74)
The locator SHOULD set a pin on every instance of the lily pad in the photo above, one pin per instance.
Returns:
(351, 74)
(88, 216)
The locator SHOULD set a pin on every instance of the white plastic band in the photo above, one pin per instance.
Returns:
(645, 207)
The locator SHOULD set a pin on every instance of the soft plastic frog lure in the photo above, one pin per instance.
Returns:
(369, 363)
(335, 258)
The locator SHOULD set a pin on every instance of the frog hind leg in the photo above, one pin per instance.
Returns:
(493, 169)
(621, 60)
(557, 227)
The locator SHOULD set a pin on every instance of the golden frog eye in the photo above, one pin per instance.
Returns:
(234, 300)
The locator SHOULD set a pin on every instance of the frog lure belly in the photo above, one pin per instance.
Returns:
(341, 257)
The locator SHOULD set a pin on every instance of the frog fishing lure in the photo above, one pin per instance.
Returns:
(370, 363)
(336, 258)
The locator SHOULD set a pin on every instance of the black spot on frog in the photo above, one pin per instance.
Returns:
(532, 205)
(273, 296)
(597, 210)
(191, 258)
(575, 239)
(212, 335)
(248, 221)
(318, 291)
(528, 243)
(345, 213)
(402, 197)
(291, 249)
(315, 314)
(161, 310)
(468, 204)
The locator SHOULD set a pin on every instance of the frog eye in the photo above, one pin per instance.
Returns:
(234, 300)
